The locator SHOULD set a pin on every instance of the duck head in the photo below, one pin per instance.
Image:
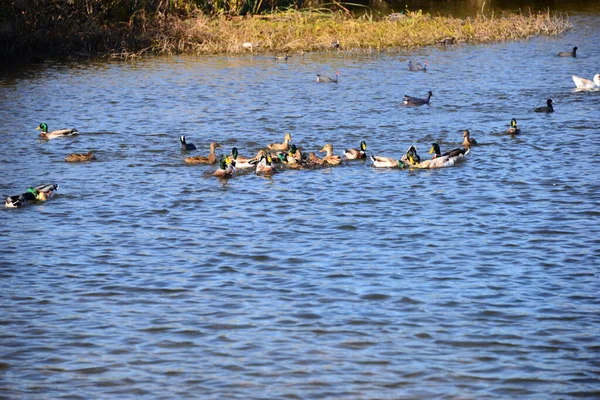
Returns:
(435, 148)
(234, 153)
(513, 123)
(363, 145)
(43, 127)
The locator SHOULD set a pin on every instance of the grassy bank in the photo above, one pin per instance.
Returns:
(294, 32)
(91, 28)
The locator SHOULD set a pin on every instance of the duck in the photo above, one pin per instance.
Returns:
(77, 157)
(19, 200)
(582, 83)
(245, 162)
(357, 154)
(330, 158)
(468, 141)
(285, 146)
(264, 165)
(314, 160)
(327, 79)
(387, 162)
(418, 66)
(335, 44)
(226, 168)
(292, 158)
(411, 157)
(414, 160)
(546, 109)
(186, 146)
(45, 135)
(211, 159)
(513, 130)
(44, 191)
(282, 58)
(568, 53)
(415, 101)
(435, 148)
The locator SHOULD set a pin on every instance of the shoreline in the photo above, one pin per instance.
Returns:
(281, 33)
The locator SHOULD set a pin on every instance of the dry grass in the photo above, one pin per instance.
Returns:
(297, 32)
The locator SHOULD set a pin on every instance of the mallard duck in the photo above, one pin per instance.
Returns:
(186, 146)
(44, 192)
(291, 158)
(468, 141)
(411, 157)
(283, 57)
(77, 157)
(386, 162)
(264, 165)
(418, 66)
(356, 154)
(547, 109)
(435, 148)
(211, 159)
(245, 162)
(330, 158)
(19, 200)
(285, 146)
(415, 101)
(414, 160)
(226, 168)
(569, 53)
(582, 83)
(513, 130)
(314, 160)
(45, 135)
(327, 79)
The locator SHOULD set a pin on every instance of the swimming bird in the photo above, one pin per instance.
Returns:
(418, 66)
(45, 135)
(285, 146)
(264, 165)
(582, 83)
(330, 158)
(226, 168)
(245, 162)
(211, 159)
(283, 57)
(336, 44)
(569, 53)
(546, 109)
(468, 141)
(45, 191)
(415, 101)
(327, 79)
(411, 157)
(185, 145)
(513, 130)
(386, 162)
(441, 162)
(357, 154)
(435, 148)
(19, 200)
(77, 157)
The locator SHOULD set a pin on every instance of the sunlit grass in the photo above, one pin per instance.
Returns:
(304, 31)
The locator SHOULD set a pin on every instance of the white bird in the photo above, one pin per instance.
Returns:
(582, 83)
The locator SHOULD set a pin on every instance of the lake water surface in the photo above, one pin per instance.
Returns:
(148, 278)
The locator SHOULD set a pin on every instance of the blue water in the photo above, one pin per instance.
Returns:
(145, 277)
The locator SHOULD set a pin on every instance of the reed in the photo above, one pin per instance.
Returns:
(117, 29)
(304, 31)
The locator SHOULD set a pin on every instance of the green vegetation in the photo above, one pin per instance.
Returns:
(37, 29)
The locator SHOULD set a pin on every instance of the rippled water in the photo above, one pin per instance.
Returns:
(149, 278)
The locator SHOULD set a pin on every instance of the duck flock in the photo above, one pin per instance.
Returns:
(276, 157)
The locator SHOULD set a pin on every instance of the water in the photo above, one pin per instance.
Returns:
(148, 278)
